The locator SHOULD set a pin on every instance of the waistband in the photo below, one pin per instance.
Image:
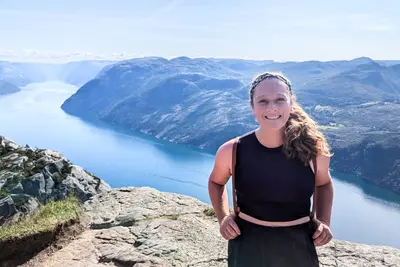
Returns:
(251, 219)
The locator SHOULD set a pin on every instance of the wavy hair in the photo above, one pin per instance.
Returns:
(302, 139)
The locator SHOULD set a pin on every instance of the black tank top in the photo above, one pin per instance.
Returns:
(270, 186)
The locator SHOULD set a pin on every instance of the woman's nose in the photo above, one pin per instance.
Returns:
(271, 106)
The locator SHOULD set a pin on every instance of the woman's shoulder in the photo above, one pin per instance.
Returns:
(228, 146)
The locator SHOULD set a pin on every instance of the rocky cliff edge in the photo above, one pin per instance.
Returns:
(144, 227)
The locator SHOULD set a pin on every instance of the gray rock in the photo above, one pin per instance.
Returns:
(175, 230)
(49, 185)
(40, 175)
(18, 189)
(11, 157)
(57, 166)
(25, 203)
(2, 183)
(5, 174)
(19, 163)
(12, 146)
(2, 145)
(81, 184)
(120, 208)
(7, 207)
(166, 229)
(29, 206)
(35, 185)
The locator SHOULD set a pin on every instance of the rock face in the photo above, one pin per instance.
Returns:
(29, 177)
(143, 227)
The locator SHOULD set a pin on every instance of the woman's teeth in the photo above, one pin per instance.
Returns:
(273, 117)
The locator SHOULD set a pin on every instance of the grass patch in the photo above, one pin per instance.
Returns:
(209, 211)
(45, 219)
(3, 193)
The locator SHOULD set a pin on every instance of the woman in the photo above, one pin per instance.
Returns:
(276, 169)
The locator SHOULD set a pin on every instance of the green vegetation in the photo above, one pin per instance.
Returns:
(46, 218)
(3, 193)
(10, 183)
(209, 211)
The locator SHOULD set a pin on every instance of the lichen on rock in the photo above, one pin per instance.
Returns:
(31, 177)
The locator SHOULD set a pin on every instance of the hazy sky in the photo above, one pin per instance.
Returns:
(279, 30)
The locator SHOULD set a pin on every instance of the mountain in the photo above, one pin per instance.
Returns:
(134, 77)
(76, 73)
(8, 88)
(80, 72)
(38, 72)
(388, 62)
(365, 83)
(175, 108)
(11, 74)
(203, 102)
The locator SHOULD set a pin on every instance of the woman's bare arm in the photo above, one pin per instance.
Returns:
(218, 178)
(324, 190)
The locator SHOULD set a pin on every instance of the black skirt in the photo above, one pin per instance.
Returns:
(261, 246)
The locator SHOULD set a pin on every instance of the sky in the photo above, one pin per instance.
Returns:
(67, 30)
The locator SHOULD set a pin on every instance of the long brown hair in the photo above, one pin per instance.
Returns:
(302, 139)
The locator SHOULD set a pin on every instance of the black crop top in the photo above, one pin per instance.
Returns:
(269, 186)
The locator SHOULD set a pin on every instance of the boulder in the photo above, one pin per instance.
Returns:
(7, 208)
(30, 177)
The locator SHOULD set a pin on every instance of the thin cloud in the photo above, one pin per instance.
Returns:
(32, 55)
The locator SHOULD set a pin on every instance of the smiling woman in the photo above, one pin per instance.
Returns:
(274, 174)
(270, 102)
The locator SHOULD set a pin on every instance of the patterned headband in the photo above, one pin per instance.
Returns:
(269, 75)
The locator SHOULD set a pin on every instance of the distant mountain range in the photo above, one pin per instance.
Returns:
(204, 102)
(77, 73)
(9, 73)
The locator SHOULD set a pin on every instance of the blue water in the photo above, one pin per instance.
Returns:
(362, 212)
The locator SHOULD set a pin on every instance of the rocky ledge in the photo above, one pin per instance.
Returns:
(30, 177)
(143, 227)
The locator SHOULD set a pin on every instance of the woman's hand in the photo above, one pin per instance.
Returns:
(228, 227)
(323, 234)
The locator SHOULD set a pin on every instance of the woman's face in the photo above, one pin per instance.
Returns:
(272, 104)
